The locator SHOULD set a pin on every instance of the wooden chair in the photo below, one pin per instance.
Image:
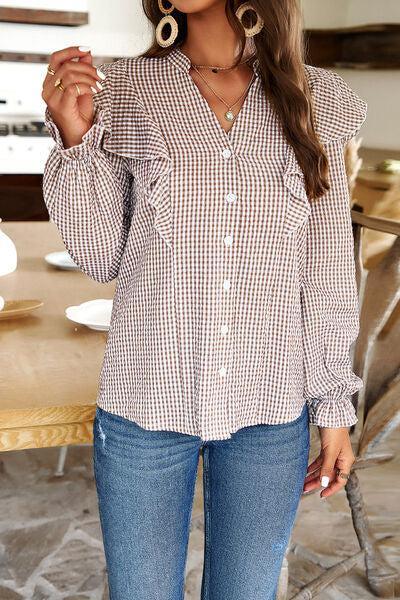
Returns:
(376, 359)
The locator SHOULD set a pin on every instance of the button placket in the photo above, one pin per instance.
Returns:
(224, 327)
(224, 330)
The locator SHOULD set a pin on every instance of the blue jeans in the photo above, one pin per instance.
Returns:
(145, 482)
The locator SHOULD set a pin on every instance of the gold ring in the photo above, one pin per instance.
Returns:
(50, 70)
(77, 89)
(59, 84)
(342, 474)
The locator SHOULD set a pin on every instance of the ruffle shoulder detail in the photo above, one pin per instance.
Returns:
(338, 110)
(132, 132)
(130, 129)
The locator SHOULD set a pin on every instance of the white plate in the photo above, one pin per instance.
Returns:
(61, 259)
(95, 314)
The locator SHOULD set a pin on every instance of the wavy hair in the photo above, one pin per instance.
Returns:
(280, 48)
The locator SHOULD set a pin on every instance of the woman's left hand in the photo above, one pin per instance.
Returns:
(336, 453)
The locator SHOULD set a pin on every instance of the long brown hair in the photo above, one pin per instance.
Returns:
(280, 49)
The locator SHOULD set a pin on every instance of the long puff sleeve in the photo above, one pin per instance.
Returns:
(87, 190)
(329, 292)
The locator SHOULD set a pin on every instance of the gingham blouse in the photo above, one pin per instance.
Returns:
(236, 297)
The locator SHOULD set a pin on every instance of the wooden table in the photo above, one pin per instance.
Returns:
(371, 185)
(49, 366)
(371, 178)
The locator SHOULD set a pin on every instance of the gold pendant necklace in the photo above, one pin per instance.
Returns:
(229, 115)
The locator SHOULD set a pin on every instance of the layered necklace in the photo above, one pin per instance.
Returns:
(229, 114)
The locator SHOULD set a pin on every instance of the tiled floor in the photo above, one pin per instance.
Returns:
(50, 542)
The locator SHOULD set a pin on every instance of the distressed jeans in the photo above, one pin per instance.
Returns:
(145, 483)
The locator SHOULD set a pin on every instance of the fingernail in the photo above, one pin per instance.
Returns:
(84, 48)
(325, 481)
(100, 74)
(93, 89)
(99, 85)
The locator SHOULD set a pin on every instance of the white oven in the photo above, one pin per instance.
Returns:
(24, 141)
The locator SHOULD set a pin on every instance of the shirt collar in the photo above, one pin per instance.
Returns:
(182, 61)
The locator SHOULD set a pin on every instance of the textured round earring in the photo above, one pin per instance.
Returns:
(167, 19)
(249, 31)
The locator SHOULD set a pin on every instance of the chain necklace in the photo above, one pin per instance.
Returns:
(229, 115)
(217, 69)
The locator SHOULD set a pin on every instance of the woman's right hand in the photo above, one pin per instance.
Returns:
(72, 110)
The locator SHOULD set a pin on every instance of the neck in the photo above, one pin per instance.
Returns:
(210, 39)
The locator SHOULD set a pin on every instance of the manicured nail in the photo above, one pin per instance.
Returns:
(325, 481)
(93, 89)
(84, 48)
(100, 74)
(99, 85)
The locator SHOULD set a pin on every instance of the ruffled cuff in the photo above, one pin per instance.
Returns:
(333, 406)
(335, 410)
(90, 140)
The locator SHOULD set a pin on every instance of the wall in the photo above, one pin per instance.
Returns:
(115, 28)
(320, 14)
(360, 12)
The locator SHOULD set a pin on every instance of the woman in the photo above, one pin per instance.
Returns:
(207, 176)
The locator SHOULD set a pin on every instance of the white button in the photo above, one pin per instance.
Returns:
(228, 240)
(230, 197)
(224, 329)
(226, 153)
(222, 371)
(227, 284)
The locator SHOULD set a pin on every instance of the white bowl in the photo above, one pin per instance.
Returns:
(95, 314)
(61, 260)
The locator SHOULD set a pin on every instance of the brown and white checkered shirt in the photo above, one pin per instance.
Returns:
(236, 297)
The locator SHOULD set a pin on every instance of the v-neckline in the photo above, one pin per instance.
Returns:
(227, 135)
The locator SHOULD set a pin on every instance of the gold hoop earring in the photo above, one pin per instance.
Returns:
(165, 11)
(257, 27)
(167, 19)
